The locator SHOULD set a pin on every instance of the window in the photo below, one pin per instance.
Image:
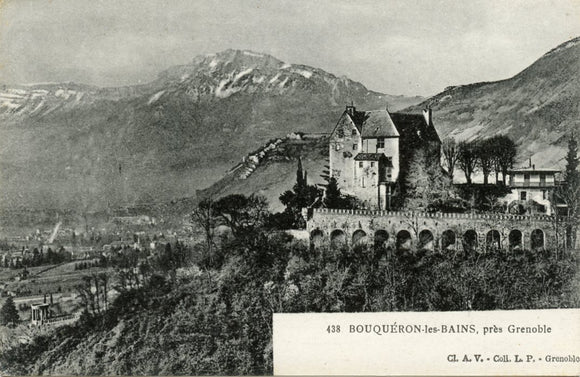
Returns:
(354, 147)
(372, 164)
(381, 142)
(360, 164)
(340, 133)
(523, 195)
(544, 194)
(353, 132)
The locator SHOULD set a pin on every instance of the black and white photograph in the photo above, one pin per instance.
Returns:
(176, 173)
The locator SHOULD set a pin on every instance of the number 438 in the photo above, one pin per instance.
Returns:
(333, 329)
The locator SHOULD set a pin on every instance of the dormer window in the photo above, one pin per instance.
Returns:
(381, 142)
(353, 132)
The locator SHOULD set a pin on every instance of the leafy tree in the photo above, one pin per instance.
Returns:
(450, 151)
(467, 160)
(9, 313)
(428, 188)
(333, 197)
(242, 214)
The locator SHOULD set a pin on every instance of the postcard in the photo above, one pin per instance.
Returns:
(255, 187)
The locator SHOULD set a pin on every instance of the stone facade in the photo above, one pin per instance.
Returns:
(434, 231)
(345, 144)
(370, 151)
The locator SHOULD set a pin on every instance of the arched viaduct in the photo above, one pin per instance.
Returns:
(431, 231)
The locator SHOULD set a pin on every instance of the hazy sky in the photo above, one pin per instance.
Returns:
(394, 46)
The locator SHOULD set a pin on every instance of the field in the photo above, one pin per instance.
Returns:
(58, 280)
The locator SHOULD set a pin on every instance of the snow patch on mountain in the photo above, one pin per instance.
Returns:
(303, 72)
(253, 54)
(224, 89)
(38, 106)
(154, 98)
(273, 79)
(213, 63)
(242, 74)
(258, 80)
(7, 103)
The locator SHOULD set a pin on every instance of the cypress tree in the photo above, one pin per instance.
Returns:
(571, 175)
(8, 312)
(300, 174)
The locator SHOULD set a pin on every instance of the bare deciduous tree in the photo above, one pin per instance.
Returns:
(450, 150)
(467, 160)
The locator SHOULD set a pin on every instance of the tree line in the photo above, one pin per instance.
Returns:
(493, 155)
(38, 257)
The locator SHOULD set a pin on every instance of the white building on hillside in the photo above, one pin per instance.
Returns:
(531, 184)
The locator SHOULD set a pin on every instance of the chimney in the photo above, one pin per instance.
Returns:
(530, 163)
(534, 166)
(350, 109)
(45, 298)
(428, 115)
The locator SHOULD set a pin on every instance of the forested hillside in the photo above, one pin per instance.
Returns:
(211, 312)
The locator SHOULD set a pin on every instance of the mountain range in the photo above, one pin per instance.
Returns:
(67, 145)
(78, 146)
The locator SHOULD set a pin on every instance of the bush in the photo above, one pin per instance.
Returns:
(218, 321)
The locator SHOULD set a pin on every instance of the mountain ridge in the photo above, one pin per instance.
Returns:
(537, 107)
(163, 139)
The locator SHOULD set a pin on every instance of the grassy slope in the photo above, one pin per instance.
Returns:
(537, 108)
(277, 172)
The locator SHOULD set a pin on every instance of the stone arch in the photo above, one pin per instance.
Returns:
(316, 238)
(359, 237)
(470, 242)
(515, 239)
(426, 240)
(493, 240)
(404, 241)
(448, 239)
(381, 238)
(537, 239)
(337, 238)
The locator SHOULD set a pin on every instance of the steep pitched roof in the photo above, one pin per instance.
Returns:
(414, 126)
(375, 123)
(382, 123)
